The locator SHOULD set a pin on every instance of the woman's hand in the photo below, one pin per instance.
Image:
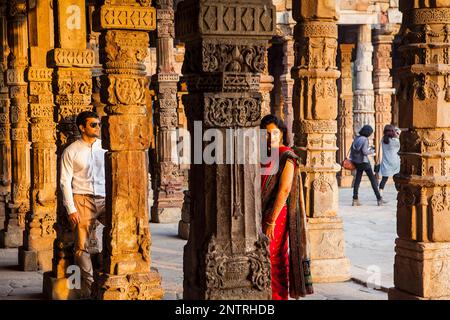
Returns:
(269, 230)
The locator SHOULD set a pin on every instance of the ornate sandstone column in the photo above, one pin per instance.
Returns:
(287, 85)
(37, 250)
(315, 127)
(97, 70)
(225, 257)
(266, 85)
(124, 40)
(345, 113)
(422, 260)
(72, 81)
(19, 204)
(168, 192)
(363, 106)
(276, 69)
(5, 124)
(382, 82)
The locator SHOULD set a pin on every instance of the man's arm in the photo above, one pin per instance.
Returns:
(66, 182)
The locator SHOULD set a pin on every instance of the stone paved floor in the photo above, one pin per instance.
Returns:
(369, 234)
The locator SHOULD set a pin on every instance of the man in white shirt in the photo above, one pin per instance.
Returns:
(83, 187)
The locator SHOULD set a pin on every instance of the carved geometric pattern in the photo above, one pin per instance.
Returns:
(248, 19)
(232, 111)
(266, 20)
(229, 18)
(210, 18)
(76, 57)
(220, 17)
(137, 18)
(428, 16)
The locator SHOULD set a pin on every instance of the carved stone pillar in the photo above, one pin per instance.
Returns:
(124, 42)
(345, 113)
(382, 82)
(315, 127)
(19, 204)
(363, 106)
(396, 62)
(97, 70)
(422, 260)
(287, 86)
(168, 192)
(276, 69)
(184, 223)
(266, 85)
(37, 250)
(72, 81)
(226, 41)
(5, 124)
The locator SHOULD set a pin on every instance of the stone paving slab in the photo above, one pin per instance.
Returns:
(370, 233)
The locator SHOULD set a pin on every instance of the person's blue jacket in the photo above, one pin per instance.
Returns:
(360, 150)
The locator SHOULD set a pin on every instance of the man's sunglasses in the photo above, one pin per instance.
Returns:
(95, 124)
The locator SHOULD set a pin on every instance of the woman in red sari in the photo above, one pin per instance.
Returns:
(283, 216)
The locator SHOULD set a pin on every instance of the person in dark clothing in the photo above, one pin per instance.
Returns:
(358, 155)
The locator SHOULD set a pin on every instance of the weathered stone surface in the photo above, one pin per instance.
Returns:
(423, 228)
(168, 184)
(5, 124)
(345, 113)
(39, 232)
(19, 204)
(363, 104)
(184, 223)
(28, 260)
(58, 288)
(72, 77)
(422, 269)
(166, 215)
(315, 127)
(183, 230)
(126, 273)
(225, 258)
(382, 82)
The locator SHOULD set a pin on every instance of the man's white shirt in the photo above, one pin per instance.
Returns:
(82, 171)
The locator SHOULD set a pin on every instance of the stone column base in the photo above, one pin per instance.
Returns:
(137, 286)
(183, 230)
(328, 260)
(395, 294)
(31, 260)
(165, 215)
(345, 181)
(330, 270)
(58, 289)
(13, 238)
(422, 268)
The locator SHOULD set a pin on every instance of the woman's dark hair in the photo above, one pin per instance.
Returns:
(388, 133)
(366, 131)
(270, 118)
(82, 116)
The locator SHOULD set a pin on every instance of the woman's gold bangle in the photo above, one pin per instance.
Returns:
(271, 223)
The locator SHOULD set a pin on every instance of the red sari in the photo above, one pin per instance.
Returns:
(279, 257)
(279, 246)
